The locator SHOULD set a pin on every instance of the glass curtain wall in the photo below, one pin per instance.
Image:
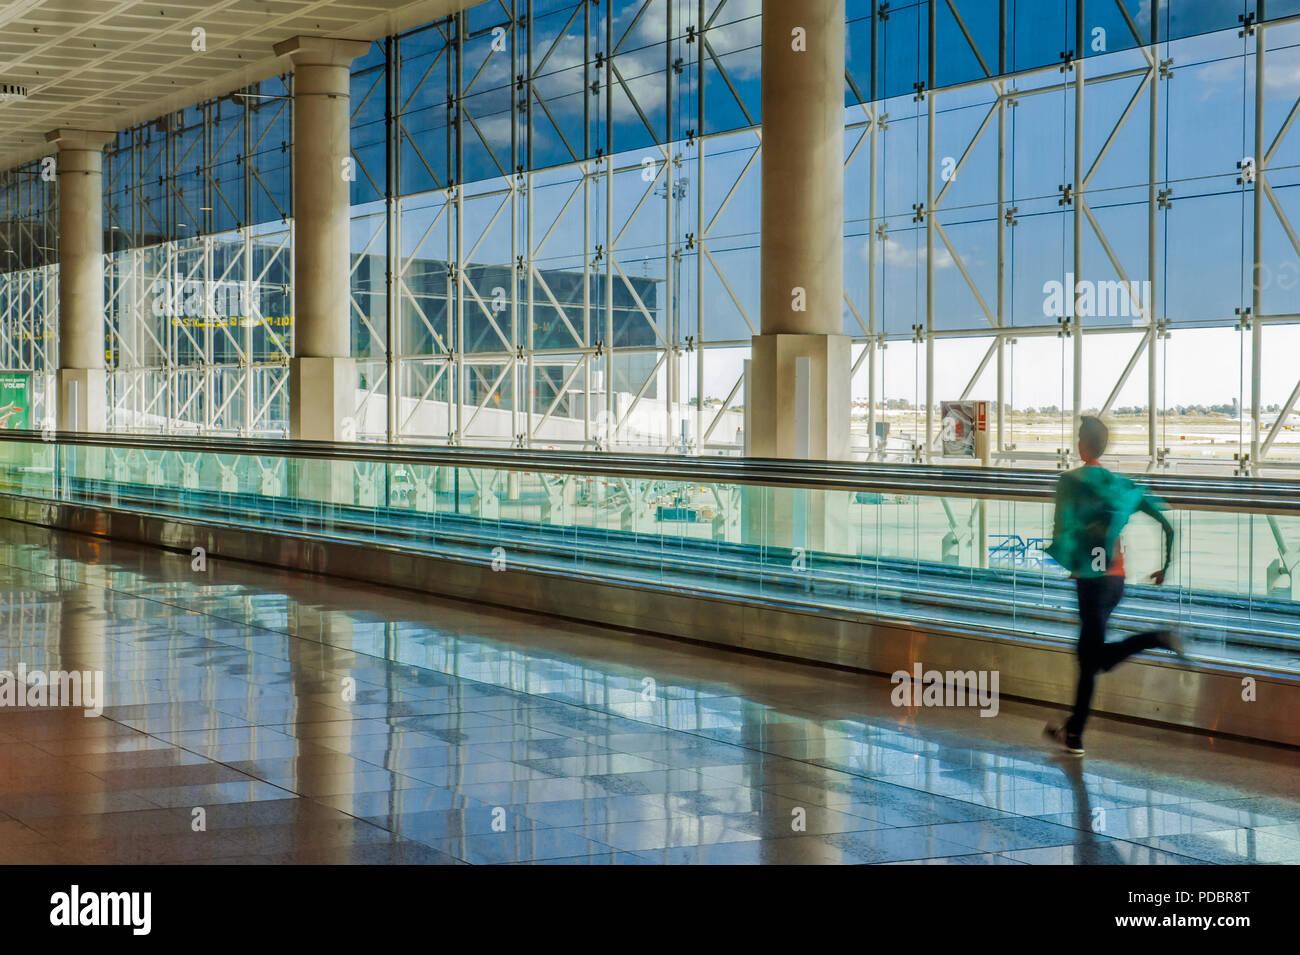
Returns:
(574, 185)
(1046, 209)
(29, 294)
(198, 271)
(1064, 207)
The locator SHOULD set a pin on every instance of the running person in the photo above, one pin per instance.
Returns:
(1092, 507)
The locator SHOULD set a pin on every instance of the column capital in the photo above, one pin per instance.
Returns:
(92, 139)
(321, 50)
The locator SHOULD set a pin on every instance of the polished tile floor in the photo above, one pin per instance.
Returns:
(256, 716)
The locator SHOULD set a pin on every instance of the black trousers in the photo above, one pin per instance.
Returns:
(1098, 598)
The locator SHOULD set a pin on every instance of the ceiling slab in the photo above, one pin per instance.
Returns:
(109, 64)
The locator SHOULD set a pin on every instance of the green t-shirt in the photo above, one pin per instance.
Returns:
(1092, 507)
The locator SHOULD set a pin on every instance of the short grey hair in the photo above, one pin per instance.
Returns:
(1094, 433)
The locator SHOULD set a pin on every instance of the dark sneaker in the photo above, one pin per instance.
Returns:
(1171, 641)
(1067, 741)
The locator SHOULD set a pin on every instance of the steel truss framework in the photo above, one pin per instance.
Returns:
(197, 293)
(29, 289)
(555, 238)
(552, 306)
(510, 370)
(1082, 206)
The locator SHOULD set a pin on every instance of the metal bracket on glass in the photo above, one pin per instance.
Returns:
(1064, 327)
(918, 334)
(918, 212)
(1067, 194)
(1009, 216)
(1067, 61)
(919, 86)
(1245, 318)
(1247, 21)
(1063, 458)
(1167, 69)
(1243, 464)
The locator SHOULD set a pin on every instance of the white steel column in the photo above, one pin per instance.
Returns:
(1257, 297)
(1076, 191)
(1153, 272)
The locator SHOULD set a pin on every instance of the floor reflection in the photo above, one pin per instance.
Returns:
(255, 716)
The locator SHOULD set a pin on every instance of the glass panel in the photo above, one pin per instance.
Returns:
(918, 557)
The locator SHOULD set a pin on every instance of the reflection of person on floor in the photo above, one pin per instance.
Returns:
(1092, 849)
(1092, 507)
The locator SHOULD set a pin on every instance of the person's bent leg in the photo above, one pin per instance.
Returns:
(1119, 651)
(1113, 654)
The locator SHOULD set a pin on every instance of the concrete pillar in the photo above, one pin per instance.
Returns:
(802, 245)
(82, 401)
(322, 376)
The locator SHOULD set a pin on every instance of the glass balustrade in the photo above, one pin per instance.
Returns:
(963, 560)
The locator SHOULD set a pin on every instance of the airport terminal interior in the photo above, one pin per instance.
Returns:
(633, 431)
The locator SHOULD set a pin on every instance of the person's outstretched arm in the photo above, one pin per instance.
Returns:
(1155, 508)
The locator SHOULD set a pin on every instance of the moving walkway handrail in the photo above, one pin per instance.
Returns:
(1191, 492)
